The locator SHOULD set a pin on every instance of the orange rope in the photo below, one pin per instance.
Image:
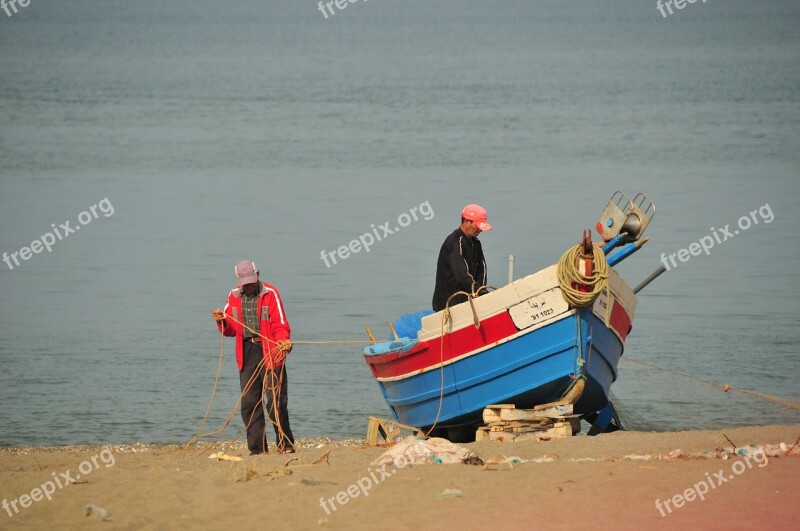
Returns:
(213, 391)
(275, 345)
(445, 319)
(274, 388)
(303, 342)
(274, 418)
(220, 431)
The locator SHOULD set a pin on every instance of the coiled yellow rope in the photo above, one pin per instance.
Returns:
(570, 270)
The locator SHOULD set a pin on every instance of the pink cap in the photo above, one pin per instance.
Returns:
(477, 214)
(246, 271)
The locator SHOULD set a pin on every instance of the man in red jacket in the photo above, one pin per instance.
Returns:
(255, 316)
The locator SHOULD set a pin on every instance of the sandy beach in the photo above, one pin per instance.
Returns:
(610, 481)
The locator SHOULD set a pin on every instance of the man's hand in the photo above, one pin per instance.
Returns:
(285, 345)
(218, 315)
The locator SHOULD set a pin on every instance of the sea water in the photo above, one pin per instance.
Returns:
(263, 130)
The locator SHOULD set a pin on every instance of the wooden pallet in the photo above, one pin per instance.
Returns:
(505, 423)
(389, 430)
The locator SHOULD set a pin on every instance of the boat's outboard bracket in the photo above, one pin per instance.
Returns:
(625, 217)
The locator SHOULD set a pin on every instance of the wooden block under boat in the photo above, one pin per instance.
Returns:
(525, 429)
(494, 414)
(502, 436)
(540, 430)
(481, 435)
(554, 412)
(491, 415)
(560, 432)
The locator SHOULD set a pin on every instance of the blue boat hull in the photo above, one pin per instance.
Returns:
(534, 368)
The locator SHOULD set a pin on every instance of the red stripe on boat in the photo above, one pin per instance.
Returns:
(620, 321)
(426, 354)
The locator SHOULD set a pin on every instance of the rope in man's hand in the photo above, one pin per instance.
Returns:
(219, 316)
(285, 345)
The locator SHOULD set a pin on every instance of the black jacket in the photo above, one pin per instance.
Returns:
(461, 267)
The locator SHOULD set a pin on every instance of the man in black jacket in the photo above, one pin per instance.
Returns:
(461, 265)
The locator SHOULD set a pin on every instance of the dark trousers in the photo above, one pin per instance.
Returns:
(271, 386)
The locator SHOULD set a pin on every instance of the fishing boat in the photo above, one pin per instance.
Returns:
(554, 336)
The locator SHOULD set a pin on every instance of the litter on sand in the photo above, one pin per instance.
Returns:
(92, 509)
(224, 457)
(413, 451)
(311, 481)
(753, 450)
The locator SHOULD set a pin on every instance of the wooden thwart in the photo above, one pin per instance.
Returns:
(505, 423)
